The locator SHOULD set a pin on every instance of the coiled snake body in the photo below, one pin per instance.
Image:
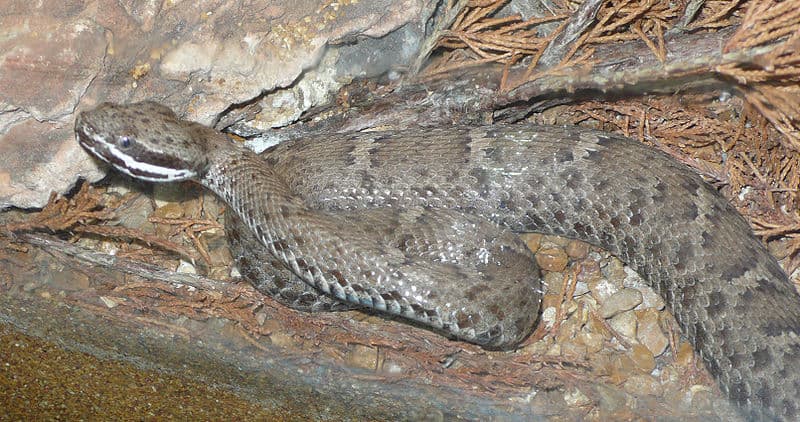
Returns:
(419, 223)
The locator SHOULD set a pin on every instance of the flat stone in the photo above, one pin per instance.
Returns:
(625, 325)
(649, 332)
(621, 301)
(643, 358)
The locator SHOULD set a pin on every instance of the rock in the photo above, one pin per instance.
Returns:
(625, 325)
(649, 332)
(199, 58)
(283, 340)
(622, 368)
(643, 358)
(623, 300)
(48, 62)
(573, 350)
(614, 270)
(554, 282)
(391, 367)
(361, 356)
(685, 356)
(601, 289)
(186, 268)
(533, 240)
(640, 385)
(701, 396)
(548, 317)
(556, 242)
(134, 214)
(581, 288)
(170, 210)
(610, 399)
(577, 249)
(576, 398)
(593, 341)
(650, 299)
(552, 259)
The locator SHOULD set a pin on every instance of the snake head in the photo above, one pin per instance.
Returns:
(145, 140)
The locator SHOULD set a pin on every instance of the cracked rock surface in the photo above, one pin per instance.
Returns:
(199, 58)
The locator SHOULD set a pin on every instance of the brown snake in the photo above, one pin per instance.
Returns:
(419, 224)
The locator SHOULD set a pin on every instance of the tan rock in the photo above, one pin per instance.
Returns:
(685, 356)
(552, 259)
(649, 332)
(621, 301)
(625, 325)
(532, 240)
(577, 249)
(361, 356)
(643, 385)
(643, 358)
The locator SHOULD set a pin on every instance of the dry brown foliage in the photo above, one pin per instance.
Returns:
(715, 14)
(625, 20)
(87, 212)
(771, 82)
(475, 38)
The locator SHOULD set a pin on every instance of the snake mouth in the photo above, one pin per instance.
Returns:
(86, 137)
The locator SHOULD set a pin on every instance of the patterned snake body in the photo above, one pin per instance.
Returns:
(418, 224)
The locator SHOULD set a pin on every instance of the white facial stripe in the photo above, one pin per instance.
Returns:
(136, 168)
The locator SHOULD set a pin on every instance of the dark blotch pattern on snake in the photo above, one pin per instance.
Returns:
(420, 224)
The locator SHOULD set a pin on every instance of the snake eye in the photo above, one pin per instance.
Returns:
(124, 141)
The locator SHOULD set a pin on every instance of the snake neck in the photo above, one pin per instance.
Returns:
(262, 202)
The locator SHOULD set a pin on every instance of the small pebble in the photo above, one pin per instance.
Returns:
(361, 356)
(643, 385)
(643, 358)
(577, 249)
(576, 398)
(552, 259)
(625, 325)
(649, 332)
(602, 289)
(169, 210)
(685, 355)
(186, 268)
(533, 240)
(621, 301)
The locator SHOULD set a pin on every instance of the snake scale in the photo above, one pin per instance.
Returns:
(420, 224)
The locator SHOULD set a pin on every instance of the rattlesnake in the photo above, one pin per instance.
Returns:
(418, 223)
